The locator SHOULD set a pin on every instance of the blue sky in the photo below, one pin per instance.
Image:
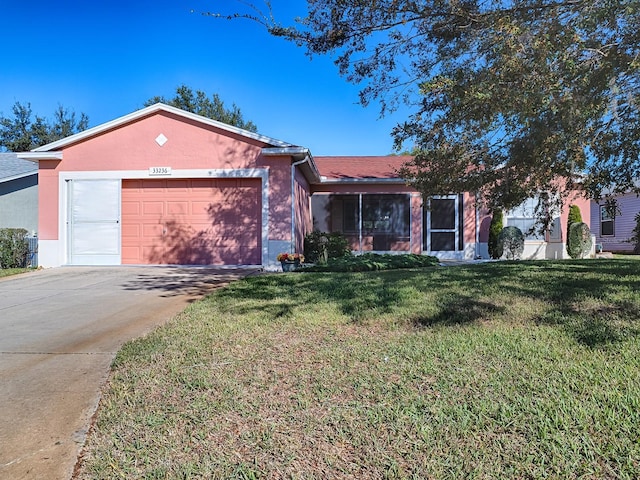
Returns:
(106, 58)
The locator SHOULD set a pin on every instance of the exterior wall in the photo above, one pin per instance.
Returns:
(302, 210)
(19, 203)
(624, 223)
(192, 150)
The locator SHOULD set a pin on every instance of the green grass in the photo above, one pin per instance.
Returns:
(7, 272)
(500, 370)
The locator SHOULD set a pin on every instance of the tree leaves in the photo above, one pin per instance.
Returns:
(508, 98)
(22, 132)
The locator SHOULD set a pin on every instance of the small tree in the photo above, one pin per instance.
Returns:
(511, 242)
(494, 231)
(579, 240)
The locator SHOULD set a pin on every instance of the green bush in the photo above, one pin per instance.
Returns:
(574, 217)
(319, 247)
(374, 261)
(578, 240)
(494, 231)
(14, 248)
(511, 242)
(635, 234)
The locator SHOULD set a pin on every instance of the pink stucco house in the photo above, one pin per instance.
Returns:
(164, 186)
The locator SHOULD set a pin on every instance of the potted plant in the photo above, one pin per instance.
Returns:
(290, 261)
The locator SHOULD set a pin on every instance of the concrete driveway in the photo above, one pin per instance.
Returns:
(59, 332)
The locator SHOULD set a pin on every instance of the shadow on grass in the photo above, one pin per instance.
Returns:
(463, 310)
(596, 302)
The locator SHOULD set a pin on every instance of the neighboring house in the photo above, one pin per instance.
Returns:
(165, 186)
(614, 231)
(18, 193)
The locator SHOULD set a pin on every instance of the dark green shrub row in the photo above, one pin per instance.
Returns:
(374, 261)
(319, 247)
(14, 248)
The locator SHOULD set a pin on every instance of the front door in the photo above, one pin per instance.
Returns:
(93, 223)
(442, 235)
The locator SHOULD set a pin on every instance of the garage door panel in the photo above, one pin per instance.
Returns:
(153, 207)
(193, 222)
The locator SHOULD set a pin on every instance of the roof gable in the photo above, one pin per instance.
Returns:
(151, 110)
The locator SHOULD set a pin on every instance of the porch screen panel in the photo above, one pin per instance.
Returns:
(386, 222)
(338, 213)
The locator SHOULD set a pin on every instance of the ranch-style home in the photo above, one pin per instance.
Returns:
(164, 186)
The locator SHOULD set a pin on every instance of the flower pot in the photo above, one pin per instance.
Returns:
(289, 266)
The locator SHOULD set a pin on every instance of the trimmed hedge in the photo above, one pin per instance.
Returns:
(579, 240)
(14, 248)
(574, 217)
(374, 261)
(495, 228)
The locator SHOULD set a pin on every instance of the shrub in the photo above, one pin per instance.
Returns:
(374, 261)
(511, 242)
(635, 234)
(319, 247)
(574, 217)
(494, 231)
(578, 240)
(14, 248)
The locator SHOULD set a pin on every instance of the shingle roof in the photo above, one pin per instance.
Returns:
(12, 167)
(344, 168)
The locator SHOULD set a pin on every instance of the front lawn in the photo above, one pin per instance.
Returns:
(499, 370)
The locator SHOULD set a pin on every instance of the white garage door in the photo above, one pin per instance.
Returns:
(94, 222)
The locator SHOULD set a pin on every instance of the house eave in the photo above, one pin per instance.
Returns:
(35, 156)
(298, 155)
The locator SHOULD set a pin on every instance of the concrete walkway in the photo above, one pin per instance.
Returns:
(59, 332)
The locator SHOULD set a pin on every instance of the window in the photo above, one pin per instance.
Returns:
(524, 217)
(607, 222)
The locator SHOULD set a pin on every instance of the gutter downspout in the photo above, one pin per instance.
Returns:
(293, 200)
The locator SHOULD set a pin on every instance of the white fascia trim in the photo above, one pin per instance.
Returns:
(326, 181)
(34, 156)
(158, 107)
(287, 150)
(63, 177)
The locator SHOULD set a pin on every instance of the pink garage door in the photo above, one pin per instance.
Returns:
(191, 222)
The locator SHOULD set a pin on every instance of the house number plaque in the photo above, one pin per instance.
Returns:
(159, 170)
